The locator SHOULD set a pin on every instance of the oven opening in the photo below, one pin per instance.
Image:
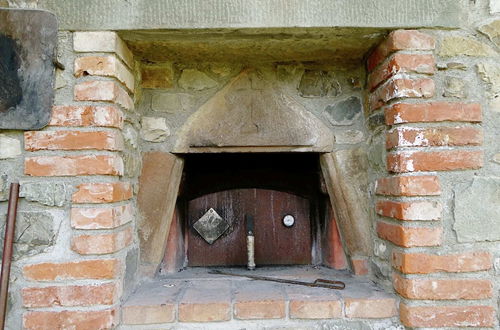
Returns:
(270, 209)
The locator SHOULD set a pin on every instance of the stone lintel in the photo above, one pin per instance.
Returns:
(226, 14)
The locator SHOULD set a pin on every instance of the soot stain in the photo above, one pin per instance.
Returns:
(10, 85)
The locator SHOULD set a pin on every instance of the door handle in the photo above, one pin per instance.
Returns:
(250, 241)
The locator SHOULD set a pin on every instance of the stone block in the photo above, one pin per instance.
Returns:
(454, 87)
(496, 158)
(318, 83)
(9, 147)
(132, 164)
(4, 191)
(477, 209)
(166, 102)
(344, 112)
(34, 233)
(157, 76)
(462, 46)
(196, 80)
(494, 6)
(47, 193)
(130, 137)
(154, 129)
(492, 30)
(349, 137)
(490, 73)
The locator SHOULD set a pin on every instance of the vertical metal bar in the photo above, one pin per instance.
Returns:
(8, 243)
(250, 242)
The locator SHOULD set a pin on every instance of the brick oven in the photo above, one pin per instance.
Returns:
(355, 140)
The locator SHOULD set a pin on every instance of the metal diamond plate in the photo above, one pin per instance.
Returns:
(211, 226)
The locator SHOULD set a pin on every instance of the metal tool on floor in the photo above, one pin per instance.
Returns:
(319, 283)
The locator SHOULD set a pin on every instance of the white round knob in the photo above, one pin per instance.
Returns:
(288, 220)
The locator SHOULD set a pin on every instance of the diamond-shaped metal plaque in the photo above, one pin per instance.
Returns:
(211, 226)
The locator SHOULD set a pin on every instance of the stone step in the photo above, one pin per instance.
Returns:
(198, 297)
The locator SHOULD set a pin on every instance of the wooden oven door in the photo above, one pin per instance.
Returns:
(275, 244)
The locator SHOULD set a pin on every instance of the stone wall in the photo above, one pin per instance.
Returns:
(426, 153)
(437, 202)
(75, 250)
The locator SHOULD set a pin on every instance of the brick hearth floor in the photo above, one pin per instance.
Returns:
(194, 296)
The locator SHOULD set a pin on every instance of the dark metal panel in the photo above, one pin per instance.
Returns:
(275, 244)
(28, 40)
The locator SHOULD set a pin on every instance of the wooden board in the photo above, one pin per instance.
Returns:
(275, 244)
(28, 40)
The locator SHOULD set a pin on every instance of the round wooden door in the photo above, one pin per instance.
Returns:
(275, 243)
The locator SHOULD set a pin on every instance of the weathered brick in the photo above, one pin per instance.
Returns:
(72, 140)
(102, 217)
(315, 309)
(432, 137)
(432, 112)
(264, 309)
(449, 160)
(86, 269)
(422, 263)
(410, 236)
(102, 42)
(77, 320)
(359, 266)
(102, 244)
(108, 66)
(402, 63)
(206, 302)
(441, 289)
(422, 185)
(73, 165)
(102, 192)
(105, 91)
(368, 308)
(204, 312)
(400, 40)
(417, 210)
(447, 316)
(83, 295)
(87, 115)
(146, 314)
(401, 88)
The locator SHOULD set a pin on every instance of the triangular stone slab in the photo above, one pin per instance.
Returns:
(249, 115)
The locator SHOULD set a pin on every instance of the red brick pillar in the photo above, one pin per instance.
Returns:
(425, 139)
(83, 144)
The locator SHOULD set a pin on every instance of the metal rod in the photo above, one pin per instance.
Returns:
(319, 283)
(250, 242)
(8, 243)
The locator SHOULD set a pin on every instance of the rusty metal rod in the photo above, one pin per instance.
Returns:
(319, 283)
(8, 243)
